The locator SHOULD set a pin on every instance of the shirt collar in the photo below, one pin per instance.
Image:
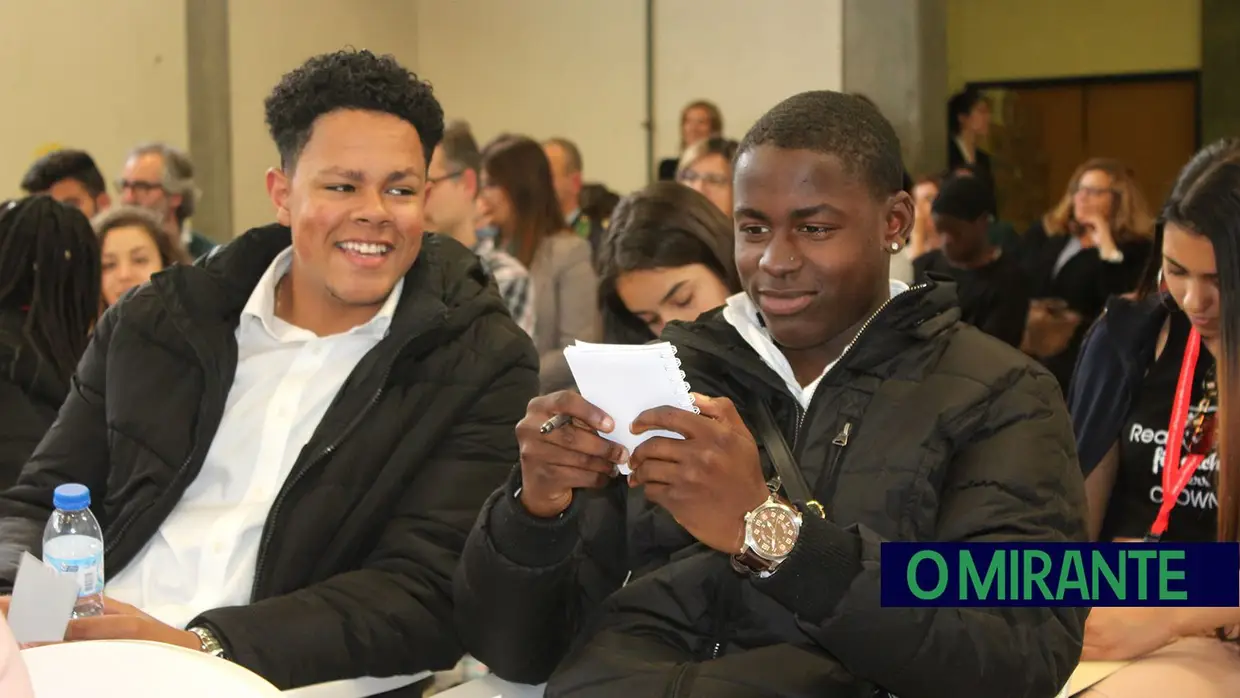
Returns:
(262, 302)
(742, 314)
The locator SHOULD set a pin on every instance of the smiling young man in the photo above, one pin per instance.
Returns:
(287, 443)
(900, 421)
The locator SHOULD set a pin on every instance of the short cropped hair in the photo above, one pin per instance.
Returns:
(60, 165)
(460, 148)
(834, 123)
(963, 197)
(349, 79)
(571, 152)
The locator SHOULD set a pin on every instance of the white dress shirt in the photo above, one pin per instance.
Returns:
(741, 313)
(204, 555)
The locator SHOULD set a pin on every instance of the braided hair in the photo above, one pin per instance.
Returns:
(50, 269)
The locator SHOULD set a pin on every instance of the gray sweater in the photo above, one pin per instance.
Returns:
(565, 302)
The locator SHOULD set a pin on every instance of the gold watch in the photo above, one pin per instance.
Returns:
(771, 532)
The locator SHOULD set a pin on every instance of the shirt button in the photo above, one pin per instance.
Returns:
(217, 548)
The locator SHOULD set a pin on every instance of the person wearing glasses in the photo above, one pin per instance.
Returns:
(451, 209)
(1160, 347)
(707, 167)
(1091, 246)
(159, 177)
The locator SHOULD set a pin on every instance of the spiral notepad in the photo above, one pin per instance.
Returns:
(626, 380)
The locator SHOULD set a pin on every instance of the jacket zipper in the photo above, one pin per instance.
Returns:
(290, 483)
(673, 691)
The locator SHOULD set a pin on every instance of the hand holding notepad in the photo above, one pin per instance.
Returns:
(626, 380)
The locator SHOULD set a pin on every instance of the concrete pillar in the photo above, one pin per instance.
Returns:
(1220, 63)
(210, 115)
(895, 53)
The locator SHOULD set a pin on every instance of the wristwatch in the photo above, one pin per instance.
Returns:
(771, 532)
(210, 643)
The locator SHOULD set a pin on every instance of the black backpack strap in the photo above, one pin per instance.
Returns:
(790, 476)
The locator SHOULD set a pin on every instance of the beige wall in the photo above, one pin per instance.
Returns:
(571, 68)
(1013, 39)
(264, 47)
(576, 68)
(737, 53)
(100, 76)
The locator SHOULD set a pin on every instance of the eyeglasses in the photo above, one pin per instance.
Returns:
(1093, 192)
(714, 180)
(139, 186)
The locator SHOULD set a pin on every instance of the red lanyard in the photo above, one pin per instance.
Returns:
(1176, 476)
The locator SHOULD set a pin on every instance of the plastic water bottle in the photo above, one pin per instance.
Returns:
(73, 545)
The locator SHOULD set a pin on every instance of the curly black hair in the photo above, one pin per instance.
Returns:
(838, 124)
(349, 79)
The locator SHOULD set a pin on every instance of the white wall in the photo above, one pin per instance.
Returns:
(100, 76)
(268, 38)
(571, 68)
(742, 55)
(576, 68)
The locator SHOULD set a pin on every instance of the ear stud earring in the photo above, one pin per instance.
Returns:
(895, 247)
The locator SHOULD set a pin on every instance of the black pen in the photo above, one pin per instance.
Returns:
(554, 423)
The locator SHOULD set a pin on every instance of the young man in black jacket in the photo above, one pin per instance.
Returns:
(992, 289)
(286, 444)
(903, 422)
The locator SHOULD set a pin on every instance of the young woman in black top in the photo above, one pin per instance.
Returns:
(1134, 364)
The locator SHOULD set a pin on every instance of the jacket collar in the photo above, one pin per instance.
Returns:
(445, 281)
(1133, 327)
(917, 315)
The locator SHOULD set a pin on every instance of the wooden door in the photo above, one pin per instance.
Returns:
(1042, 133)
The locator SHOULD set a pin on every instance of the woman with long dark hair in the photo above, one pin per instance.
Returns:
(518, 197)
(1157, 383)
(667, 256)
(49, 301)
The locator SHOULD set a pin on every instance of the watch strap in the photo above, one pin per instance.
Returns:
(210, 643)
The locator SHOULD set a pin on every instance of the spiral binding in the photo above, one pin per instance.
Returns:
(673, 368)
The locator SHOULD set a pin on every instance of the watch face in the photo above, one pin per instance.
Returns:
(774, 532)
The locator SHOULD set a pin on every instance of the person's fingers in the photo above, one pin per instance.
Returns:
(570, 478)
(115, 627)
(673, 419)
(587, 442)
(653, 471)
(720, 409)
(547, 454)
(112, 607)
(572, 404)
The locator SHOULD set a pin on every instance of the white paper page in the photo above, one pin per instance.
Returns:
(42, 602)
(625, 381)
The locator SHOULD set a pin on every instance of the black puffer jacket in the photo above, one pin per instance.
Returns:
(354, 572)
(30, 395)
(925, 430)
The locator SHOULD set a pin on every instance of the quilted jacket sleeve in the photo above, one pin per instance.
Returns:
(1017, 481)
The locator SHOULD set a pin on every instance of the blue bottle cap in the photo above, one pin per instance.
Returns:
(71, 497)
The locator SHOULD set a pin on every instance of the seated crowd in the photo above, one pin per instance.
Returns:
(317, 451)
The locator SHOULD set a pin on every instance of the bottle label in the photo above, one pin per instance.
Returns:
(87, 570)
